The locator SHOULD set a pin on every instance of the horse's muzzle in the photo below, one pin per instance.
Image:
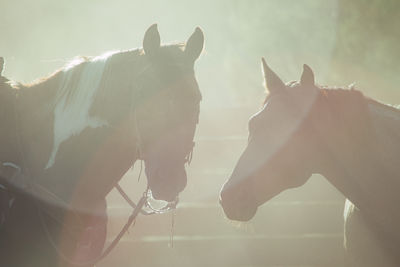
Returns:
(166, 183)
(237, 206)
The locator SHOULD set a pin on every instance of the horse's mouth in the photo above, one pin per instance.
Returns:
(239, 212)
(238, 205)
(166, 183)
(160, 206)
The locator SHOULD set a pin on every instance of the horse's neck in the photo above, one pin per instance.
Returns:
(60, 115)
(34, 118)
(354, 160)
(386, 122)
(34, 100)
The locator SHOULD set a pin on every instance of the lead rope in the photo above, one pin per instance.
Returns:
(171, 234)
(138, 143)
(140, 170)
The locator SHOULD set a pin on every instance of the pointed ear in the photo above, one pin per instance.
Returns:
(307, 77)
(1, 65)
(194, 44)
(272, 81)
(151, 40)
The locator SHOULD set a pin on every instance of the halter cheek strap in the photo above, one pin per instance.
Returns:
(188, 158)
(151, 210)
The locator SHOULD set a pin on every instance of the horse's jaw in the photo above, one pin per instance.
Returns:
(165, 182)
(238, 204)
(236, 213)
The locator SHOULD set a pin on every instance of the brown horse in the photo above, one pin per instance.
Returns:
(353, 141)
(70, 137)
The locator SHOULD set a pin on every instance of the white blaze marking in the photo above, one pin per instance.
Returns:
(71, 113)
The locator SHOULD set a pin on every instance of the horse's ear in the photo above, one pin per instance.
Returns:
(1, 65)
(272, 81)
(151, 40)
(194, 44)
(307, 77)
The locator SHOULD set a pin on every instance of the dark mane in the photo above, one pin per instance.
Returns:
(350, 111)
(339, 93)
(349, 91)
(383, 105)
(173, 48)
(346, 106)
(343, 101)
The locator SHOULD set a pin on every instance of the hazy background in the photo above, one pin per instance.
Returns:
(343, 41)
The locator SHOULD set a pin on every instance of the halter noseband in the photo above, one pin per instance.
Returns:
(148, 194)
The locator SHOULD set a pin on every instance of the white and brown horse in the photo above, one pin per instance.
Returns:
(70, 138)
(353, 141)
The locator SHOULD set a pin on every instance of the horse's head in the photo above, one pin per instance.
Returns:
(168, 112)
(279, 151)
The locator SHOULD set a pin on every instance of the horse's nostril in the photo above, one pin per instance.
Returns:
(165, 191)
(164, 195)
